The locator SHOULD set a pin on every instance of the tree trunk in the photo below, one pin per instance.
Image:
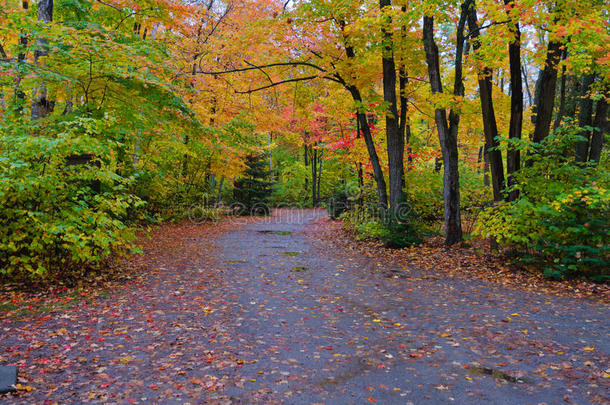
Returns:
(490, 128)
(451, 187)
(546, 98)
(394, 138)
(585, 118)
(219, 198)
(513, 155)
(319, 154)
(23, 43)
(314, 176)
(382, 194)
(306, 164)
(41, 107)
(359, 168)
(601, 124)
(562, 94)
(370, 146)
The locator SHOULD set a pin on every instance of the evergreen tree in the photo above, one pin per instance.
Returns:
(253, 190)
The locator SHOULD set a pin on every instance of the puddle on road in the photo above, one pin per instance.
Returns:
(393, 273)
(291, 254)
(354, 369)
(299, 268)
(496, 374)
(279, 233)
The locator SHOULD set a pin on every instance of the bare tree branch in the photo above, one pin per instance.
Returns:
(257, 67)
(297, 79)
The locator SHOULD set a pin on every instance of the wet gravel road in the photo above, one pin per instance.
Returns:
(272, 315)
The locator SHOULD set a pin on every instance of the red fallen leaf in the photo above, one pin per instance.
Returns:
(105, 385)
(381, 366)
(153, 386)
(502, 364)
(328, 347)
(196, 381)
(416, 355)
(371, 399)
(466, 366)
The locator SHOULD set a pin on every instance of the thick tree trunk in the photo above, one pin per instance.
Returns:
(585, 118)
(41, 107)
(546, 98)
(490, 128)
(394, 138)
(601, 125)
(451, 186)
(513, 155)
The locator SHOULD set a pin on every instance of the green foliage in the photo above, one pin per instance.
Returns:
(52, 220)
(253, 189)
(338, 203)
(393, 234)
(561, 214)
(425, 190)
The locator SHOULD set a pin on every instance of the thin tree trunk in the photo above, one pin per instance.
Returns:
(219, 198)
(448, 142)
(23, 43)
(513, 155)
(573, 96)
(306, 164)
(359, 168)
(394, 138)
(370, 146)
(314, 175)
(320, 152)
(562, 95)
(490, 128)
(585, 118)
(527, 85)
(41, 107)
(382, 194)
(601, 125)
(403, 80)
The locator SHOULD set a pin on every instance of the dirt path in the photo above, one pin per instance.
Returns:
(269, 315)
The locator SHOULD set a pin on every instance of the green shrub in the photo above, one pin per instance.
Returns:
(393, 234)
(338, 203)
(561, 214)
(53, 220)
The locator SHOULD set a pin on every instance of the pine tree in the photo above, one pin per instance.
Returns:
(252, 191)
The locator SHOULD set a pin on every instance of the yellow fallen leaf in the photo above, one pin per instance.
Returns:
(589, 349)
